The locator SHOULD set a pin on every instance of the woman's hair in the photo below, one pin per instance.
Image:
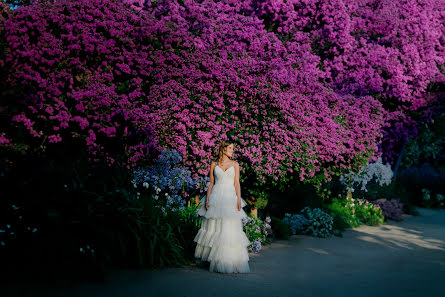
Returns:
(220, 152)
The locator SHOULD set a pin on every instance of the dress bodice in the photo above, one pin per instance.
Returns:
(222, 200)
(224, 177)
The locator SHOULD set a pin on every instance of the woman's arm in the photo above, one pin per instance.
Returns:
(237, 185)
(212, 181)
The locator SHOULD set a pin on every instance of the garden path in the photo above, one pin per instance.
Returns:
(404, 258)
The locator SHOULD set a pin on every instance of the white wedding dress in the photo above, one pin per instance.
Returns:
(221, 239)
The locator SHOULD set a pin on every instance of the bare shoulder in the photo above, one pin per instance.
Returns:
(235, 164)
(212, 167)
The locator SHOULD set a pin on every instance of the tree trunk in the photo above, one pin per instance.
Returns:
(349, 195)
(400, 157)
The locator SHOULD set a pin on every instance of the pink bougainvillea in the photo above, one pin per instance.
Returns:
(390, 50)
(78, 66)
(296, 85)
(239, 81)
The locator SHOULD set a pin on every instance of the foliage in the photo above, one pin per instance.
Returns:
(90, 215)
(308, 95)
(168, 183)
(64, 227)
(430, 200)
(172, 183)
(256, 231)
(280, 229)
(440, 199)
(261, 197)
(70, 76)
(391, 209)
(319, 223)
(166, 83)
(186, 225)
(367, 212)
(297, 222)
(421, 177)
(385, 49)
(151, 239)
(343, 216)
(427, 145)
(14, 226)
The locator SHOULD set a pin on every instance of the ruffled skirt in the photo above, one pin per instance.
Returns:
(222, 203)
(222, 241)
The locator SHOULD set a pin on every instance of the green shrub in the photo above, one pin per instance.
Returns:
(256, 231)
(369, 214)
(343, 217)
(280, 228)
(140, 235)
(88, 215)
(320, 223)
(432, 200)
(186, 224)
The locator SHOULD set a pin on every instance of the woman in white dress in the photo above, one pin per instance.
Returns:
(221, 239)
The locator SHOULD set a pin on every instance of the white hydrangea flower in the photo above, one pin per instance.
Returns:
(382, 173)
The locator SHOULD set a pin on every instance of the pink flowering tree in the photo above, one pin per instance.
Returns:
(278, 79)
(386, 49)
(240, 82)
(76, 68)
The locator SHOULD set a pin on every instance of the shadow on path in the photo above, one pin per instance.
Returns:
(404, 258)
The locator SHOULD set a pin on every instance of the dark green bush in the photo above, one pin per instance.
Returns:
(146, 238)
(342, 216)
(88, 220)
(186, 224)
(280, 229)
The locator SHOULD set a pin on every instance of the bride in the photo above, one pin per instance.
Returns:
(221, 239)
